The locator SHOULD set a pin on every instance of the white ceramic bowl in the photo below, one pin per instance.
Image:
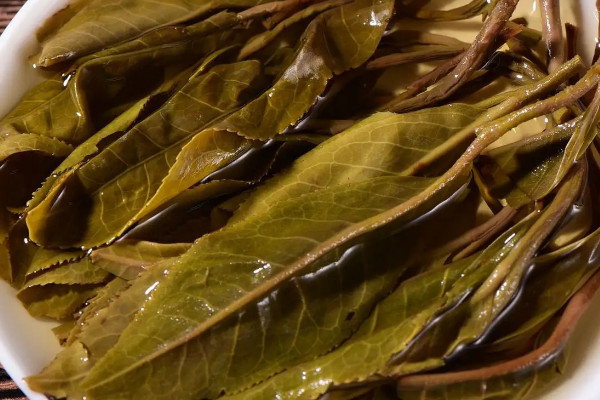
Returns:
(27, 344)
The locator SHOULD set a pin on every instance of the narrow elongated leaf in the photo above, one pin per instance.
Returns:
(67, 110)
(427, 351)
(115, 176)
(110, 132)
(214, 148)
(531, 168)
(469, 321)
(60, 292)
(262, 40)
(552, 282)
(168, 35)
(98, 331)
(398, 141)
(102, 23)
(404, 211)
(389, 328)
(127, 259)
(337, 40)
(224, 270)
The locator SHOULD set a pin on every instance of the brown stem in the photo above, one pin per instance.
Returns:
(274, 8)
(553, 346)
(553, 34)
(436, 53)
(479, 234)
(472, 60)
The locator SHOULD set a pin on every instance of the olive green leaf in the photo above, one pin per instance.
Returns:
(93, 94)
(554, 278)
(262, 39)
(28, 259)
(25, 161)
(112, 189)
(99, 328)
(113, 130)
(63, 330)
(535, 166)
(501, 278)
(394, 322)
(218, 270)
(397, 140)
(127, 259)
(105, 296)
(100, 24)
(60, 292)
(337, 40)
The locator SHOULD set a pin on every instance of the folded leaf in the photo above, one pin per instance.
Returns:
(252, 270)
(111, 191)
(262, 40)
(127, 259)
(335, 41)
(71, 109)
(531, 168)
(102, 23)
(60, 292)
(394, 322)
(25, 161)
(554, 279)
(428, 349)
(396, 140)
(502, 277)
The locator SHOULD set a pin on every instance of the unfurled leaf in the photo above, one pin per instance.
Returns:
(388, 330)
(529, 169)
(107, 195)
(28, 259)
(204, 194)
(62, 291)
(127, 259)
(100, 24)
(226, 270)
(335, 41)
(98, 330)
(384, 144)
(71, 109)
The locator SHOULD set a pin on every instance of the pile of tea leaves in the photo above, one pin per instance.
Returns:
(244, 199)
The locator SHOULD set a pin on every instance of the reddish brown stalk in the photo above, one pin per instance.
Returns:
(390, 60)
(553, 34)
(471, 61)
(479, 235)
(274, 8)
(552, 347)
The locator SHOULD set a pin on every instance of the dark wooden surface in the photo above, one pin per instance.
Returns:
(8, 389)
(8, 9)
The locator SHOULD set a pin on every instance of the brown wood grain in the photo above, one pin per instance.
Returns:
(8, 9)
